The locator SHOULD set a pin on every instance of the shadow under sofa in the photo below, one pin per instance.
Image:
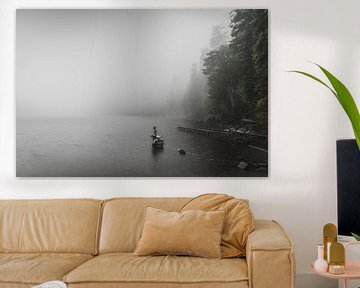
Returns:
(90, 243)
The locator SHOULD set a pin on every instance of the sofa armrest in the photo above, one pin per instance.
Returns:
(269, 256)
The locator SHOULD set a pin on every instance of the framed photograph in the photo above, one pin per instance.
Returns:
(142, 93)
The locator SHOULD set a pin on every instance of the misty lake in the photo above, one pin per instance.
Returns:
(120, 146)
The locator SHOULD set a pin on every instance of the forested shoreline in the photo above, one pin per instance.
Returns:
(230, 82)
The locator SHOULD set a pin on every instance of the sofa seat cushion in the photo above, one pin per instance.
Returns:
(125, 267)
(36, 268)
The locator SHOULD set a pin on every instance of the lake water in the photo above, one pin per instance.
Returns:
(120, 146)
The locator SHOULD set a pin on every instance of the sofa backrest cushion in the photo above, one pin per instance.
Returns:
(123, 220)
(64, 226)
(239, 220)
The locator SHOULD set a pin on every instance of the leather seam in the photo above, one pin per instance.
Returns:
(250, 272)
(98, 228)
(22, 225)
(36, 283)
(290, 249)
(269, 249)
(152, 281)
(17, 282)
(283, 230)
(67, 273)
(291, 255)
(160, 266)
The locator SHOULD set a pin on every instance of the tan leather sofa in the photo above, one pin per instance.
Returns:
(89, 243)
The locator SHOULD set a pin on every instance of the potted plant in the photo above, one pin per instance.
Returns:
(356, 236)
(345, 99)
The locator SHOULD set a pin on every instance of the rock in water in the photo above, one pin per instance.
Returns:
(181, 151)
(243, 165)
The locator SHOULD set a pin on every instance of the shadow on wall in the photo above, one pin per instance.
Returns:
(310, 31)
(315, 281)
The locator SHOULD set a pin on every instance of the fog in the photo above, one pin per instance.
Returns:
(89, 62)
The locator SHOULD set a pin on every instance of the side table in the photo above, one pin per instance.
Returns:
(352, 269)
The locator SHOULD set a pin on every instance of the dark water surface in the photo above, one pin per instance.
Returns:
(120, 146)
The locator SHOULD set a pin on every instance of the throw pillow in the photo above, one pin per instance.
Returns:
(196, 233)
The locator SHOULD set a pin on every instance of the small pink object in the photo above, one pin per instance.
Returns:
(320, 264)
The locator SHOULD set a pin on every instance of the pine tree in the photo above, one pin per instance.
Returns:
(237, 72)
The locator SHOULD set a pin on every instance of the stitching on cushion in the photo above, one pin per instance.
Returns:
(22, 225)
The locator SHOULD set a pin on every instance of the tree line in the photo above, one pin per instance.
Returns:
(231, 82)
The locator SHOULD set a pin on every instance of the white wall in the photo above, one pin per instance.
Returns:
(305, 120)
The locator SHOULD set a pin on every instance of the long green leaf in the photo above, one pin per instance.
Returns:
(344, 97)
(356, 236)
(347, 102)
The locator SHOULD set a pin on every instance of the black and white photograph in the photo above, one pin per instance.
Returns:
(142, 93)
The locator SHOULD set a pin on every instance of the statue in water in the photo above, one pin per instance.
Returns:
(158, 141)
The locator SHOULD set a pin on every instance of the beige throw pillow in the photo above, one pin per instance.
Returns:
(239, 220)
(194, 232)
